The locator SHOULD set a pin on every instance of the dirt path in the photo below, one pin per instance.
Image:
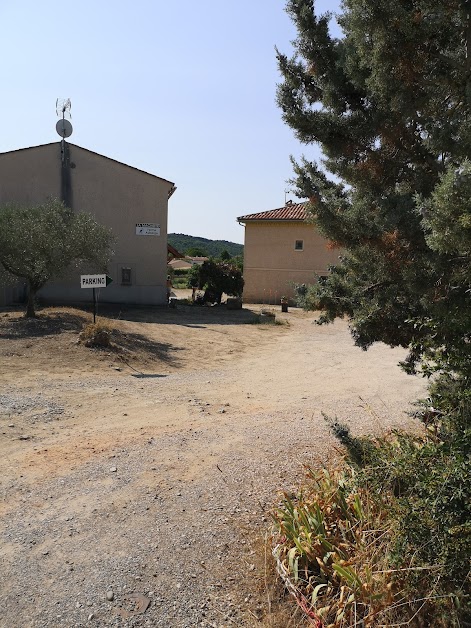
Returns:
(153, 478)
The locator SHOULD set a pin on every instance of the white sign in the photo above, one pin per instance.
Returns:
(147, 229)
(93, 281)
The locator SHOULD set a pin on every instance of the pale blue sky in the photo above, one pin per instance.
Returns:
(184, 90)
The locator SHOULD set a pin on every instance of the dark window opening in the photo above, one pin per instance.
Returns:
(126, 276)
(299, 245)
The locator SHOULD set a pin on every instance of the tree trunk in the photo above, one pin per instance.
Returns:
(30, 312)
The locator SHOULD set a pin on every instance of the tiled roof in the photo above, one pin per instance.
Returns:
(291, 211)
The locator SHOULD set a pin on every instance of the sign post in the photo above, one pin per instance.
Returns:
(94, 281)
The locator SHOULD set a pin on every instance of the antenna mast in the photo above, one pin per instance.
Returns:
(63, 126)
(63, 107)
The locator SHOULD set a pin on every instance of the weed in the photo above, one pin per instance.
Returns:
(96, 334)
(330, 549)
(384, 539)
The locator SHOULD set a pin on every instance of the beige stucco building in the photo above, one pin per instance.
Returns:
(282, 249)
(133, 203)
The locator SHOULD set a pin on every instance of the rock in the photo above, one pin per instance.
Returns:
(91, 616)
(110, 596)
(117, 368)
(113, 470)
(11, 425)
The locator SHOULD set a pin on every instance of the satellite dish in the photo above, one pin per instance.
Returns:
(64, 128)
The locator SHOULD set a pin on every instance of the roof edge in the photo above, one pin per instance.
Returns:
(291, 212)
(17, 150)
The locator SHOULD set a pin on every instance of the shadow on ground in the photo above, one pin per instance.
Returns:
(52, 320)
(185, 315)
(129, 345)
(46, 324)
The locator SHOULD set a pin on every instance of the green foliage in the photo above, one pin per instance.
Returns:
(331, 544)
(215, 278)
(225, 255)
(390, 102)
(238, 262)
(196, 251)
(424, 486)
(391, 528)
(210, 248)
(179, 277)
(41, 242)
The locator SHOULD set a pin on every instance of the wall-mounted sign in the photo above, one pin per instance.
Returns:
(147, 228)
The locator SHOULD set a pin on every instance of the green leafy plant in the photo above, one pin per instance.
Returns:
(330, 545)
(39, 243)
(216, 277)
(389, 102)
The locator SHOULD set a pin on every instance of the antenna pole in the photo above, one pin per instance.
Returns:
(64, 129)
(63, 153)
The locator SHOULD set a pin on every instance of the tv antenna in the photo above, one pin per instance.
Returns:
(63, 107)
(63, 126)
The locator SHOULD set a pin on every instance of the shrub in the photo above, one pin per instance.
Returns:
(215, 278)
(398, 514)
(96, 335)
(330, 547)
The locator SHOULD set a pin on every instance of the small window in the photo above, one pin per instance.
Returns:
(126, 276)
(299, 245)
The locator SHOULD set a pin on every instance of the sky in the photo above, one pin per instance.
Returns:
(184, 90)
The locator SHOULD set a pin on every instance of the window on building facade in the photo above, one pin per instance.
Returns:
(299, 245)
(126, 276)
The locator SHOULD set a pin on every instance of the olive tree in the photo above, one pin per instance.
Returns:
(39, 243)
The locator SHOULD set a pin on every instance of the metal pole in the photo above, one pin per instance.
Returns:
(94, 306)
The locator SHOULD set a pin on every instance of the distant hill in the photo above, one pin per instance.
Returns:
(213, 248)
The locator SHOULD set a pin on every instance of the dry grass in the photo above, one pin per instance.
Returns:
(275, 608)
(97, 334)
(330, 546)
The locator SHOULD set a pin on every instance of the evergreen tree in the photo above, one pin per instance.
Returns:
(389, 103)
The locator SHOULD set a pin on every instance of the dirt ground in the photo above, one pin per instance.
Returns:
(150, 468)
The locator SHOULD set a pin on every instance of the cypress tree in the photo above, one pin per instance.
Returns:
(389, 104)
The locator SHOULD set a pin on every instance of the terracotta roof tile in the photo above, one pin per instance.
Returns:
(292, 211)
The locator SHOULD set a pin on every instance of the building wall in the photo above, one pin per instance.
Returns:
(30, 176)
(118, 196)
(272, 264)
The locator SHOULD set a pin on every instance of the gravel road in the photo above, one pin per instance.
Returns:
(123, 492)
